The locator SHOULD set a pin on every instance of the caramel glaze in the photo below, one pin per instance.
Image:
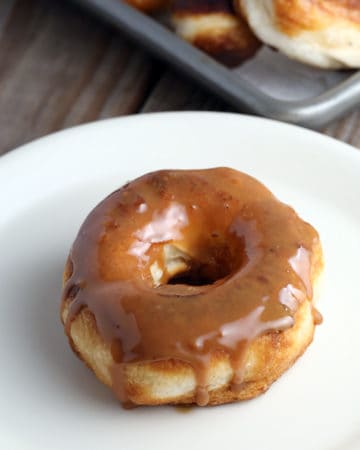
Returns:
(250, 258)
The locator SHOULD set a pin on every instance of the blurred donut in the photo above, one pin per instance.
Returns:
(148, 6)
(213, 26)
(323, 33)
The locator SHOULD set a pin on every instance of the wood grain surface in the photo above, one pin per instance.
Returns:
(60, 67)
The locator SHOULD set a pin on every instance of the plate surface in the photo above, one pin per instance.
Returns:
(49, 400)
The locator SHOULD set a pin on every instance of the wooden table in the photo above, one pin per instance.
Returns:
(60, 67)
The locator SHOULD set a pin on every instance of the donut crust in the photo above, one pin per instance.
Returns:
(173, 381)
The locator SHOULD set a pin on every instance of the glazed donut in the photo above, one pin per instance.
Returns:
(191, 287)
(323, 33)
(213, 26)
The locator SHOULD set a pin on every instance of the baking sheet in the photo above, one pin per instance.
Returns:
(286, 79)
(269, 84)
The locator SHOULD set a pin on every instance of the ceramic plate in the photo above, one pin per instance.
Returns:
(49, 400)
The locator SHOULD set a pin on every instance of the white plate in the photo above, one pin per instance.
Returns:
(49, 400)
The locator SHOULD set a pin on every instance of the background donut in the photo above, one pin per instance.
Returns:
(149, 6)
(323, 33)
(214, 27)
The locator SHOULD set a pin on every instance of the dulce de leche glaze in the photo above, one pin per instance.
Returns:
(242, 267)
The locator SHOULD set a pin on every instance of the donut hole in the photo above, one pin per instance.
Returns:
(203, 266)
(201, 273)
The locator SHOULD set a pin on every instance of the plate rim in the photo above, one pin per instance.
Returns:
(31, 146)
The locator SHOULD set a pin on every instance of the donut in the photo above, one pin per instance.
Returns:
(149, 6)
(214, 27)
(323, 33)
(191, 286)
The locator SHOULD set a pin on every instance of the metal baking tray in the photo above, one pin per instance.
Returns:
(315, 111)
